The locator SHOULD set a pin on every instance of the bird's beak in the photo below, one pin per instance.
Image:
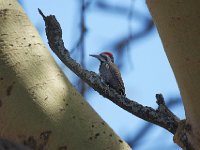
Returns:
(96, 56)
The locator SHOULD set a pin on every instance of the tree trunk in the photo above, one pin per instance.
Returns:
(38, 105)
(178, 24)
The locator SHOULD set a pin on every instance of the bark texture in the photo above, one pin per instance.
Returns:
(38, 105)
(178, 24)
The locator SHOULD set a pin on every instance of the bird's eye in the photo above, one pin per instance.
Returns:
(107, 58)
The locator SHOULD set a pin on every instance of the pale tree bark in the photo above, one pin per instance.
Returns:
(38, 105)
(178, 24)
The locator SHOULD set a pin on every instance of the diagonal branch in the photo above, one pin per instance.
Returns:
(162, 116)
(54, 34)
(142, 132)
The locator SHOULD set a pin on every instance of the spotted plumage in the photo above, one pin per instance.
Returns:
(109, 72)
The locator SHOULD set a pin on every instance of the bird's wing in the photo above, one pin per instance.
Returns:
(117, 79)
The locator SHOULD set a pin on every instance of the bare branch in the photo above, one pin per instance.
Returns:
(80, 44)
(163, 109)
(112, 9)
(162, 116)
(135, 140)
(123, 43)
(54, 35)
(120, 44)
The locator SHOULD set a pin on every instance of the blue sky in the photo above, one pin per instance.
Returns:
(148, 72)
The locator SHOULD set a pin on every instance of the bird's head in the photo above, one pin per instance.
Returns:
(104, 57)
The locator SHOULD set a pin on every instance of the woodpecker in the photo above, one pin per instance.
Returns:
(109, 72)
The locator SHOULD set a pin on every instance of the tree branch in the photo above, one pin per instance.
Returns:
(54, 35)
(142, 132)
(162, 116)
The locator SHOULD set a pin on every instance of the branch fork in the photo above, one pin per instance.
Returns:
(162, 116)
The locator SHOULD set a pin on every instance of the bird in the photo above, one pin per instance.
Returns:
(109, 72)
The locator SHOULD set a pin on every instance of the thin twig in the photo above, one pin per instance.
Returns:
(120, 44)
(164, 110)
(80, 44)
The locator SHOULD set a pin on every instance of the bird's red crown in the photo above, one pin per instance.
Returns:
(108, 53)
